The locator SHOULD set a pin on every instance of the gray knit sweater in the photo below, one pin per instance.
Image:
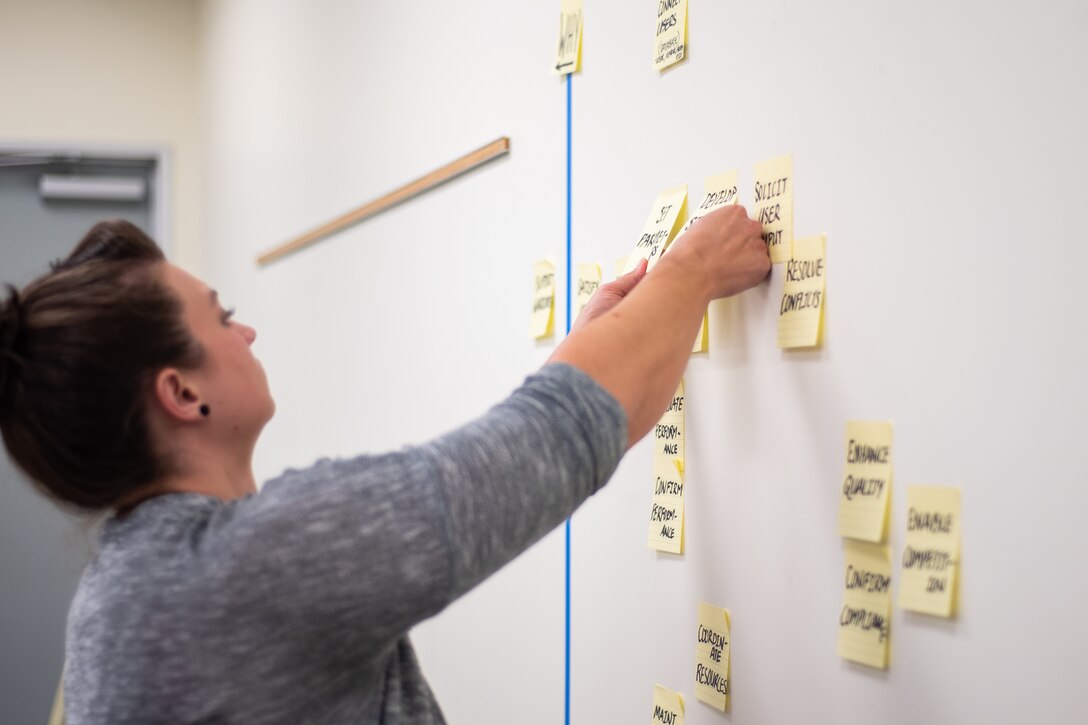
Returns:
(293, 605)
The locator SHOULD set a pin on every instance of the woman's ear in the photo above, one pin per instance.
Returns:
(175, 396)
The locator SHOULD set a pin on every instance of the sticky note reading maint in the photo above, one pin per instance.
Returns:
(671, 36)
(931, 555)
(666, 532)
(660, 228)
(668, 707)
(543, 299)
(865, 617)
(712, 656)
(867, 480)
(568, 56)
(801, 312)
(589, 279)
(773, 205)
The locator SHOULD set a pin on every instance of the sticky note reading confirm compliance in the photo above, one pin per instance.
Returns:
(668, 707)
(773, 205)
(671, 36)
(865, 617)
(568, 57)
(667, 510)
(712, 656)
(589, 279)
(543, 299)
(660, 228)
(931, 557)
(867, 481)
(801, 313)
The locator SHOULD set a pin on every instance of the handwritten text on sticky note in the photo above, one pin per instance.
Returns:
(589, 279)
(712, 656)
(543, 299)
(865, 617)
(931, 554)
(671, 36)
(668, 707)
(568, 56)
(660, 228)
(867, 480)
(666, 532)
(773, 205)
(800, 314)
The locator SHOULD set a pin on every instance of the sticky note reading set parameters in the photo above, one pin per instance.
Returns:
(668, 707)
(712, 656)
(865, 617)
(801, 313)
(666, 532)
(589, 279)
(931, 555)
(867, 480)
(660, 228)
(543, 299)
(568, 56)
(773, 205)
(671, 36)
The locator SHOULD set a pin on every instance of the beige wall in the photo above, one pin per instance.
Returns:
(110, 72)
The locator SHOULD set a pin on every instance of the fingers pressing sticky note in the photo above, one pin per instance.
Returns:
(542, 324)
(773, 205)
(660, 228)
(800, 315)
(931, 556)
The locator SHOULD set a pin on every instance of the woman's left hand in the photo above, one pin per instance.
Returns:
(608, 295)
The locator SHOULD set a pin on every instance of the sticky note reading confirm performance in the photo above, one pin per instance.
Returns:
(801, 313)
(667, 510)
(668, 707)
(589, 279)
(568, 57)
(660, 228)
(931, 557)
(773, 205)
(671, 37)
(712, 656)
(865, 617)
(867, 481)
(543, 299)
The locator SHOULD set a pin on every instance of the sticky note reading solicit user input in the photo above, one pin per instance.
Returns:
(589, 279)
(542, 325)
(773, 205)
(660, 228)
(801, 312)
(671, 35)
(668, 707)
(865, 617)
(712, 656)
(867, 480)
(568, 56)
(666, 532)
(931, 554)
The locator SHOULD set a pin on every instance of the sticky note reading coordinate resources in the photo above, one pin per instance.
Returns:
(867, 480)
(543, 299)
(712, 656)
(931, 556)
(671, 36)
(666, 531)
(668, 707)
(660, 228)
(865, 617)
(589, 279)
(801, 313)
(773, 205)
(568, 56)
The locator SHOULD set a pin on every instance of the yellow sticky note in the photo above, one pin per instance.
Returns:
(712, 656)
(543, 299)
(668, 707)
(666, 531)
(773, 205)
(867, 480)
(589, 279)
(931, 555)
(568, 56)
(671, 35)
(620, 264)
(865, 617)
(801, 312)
(660, 228)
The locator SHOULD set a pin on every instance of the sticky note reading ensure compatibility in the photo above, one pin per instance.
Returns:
(671, 37)
(666, 531)
(589, 279)
(865, 617)
(568, 57)
(668, 707)
(867, 481)
(543, 299)
(931, 557)
(712, 656)
(801, 313)
(660, 228)
(773, 205)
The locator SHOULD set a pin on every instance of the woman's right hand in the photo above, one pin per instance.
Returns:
(724, 250)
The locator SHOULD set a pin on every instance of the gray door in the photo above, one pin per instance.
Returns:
(42, 550)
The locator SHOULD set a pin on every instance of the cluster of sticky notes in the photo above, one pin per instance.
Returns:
(865, 617)
(668, 707)
(666, 531)
(931, 554)
(867, 480)
(670, 33)
(712, 656)
(568, 55)
(543, 317)
(800, 313)
(660, 228)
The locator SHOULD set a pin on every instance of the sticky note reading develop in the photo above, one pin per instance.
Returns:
(801, 313)
(712, 656)
(660, 228)
(671, 37)
(568, 57)
(668, 707)
(589, 279)
(865, 617)
(931, 556)
(867, 481)
(543, 299)
(666, 531)
(773, 205)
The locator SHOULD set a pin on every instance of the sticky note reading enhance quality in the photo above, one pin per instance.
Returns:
(543, 299)
(668, 707)
(671, 36)
(773, 205)
(660, 228)
(712, 656)
(800, 315)
(589, 279)
(568, 56)
(666, 531)
(867, 480)
(865, 618)
(931, 556)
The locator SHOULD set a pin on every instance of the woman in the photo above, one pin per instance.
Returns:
(125, 386)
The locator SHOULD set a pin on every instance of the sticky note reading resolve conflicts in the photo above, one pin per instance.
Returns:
(800, 315)
(589, 279)
(666, 531)
(671, 36)
(660, 228)
(712, 656)
(668, 707)
(773, 205)
(865, 617)
(543, 299)
(867, 481)
(568, 56)
(931, 556)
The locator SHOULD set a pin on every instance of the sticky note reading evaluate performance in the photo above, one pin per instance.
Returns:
(668, 707)
(589, 279)
(773, 205)
(671, 36)
(867, 481)
(800, 316)
(660, 228)
(712, 656)
(667, 510)
(543, 299)
(931, 556)
(865, 617)
(568, 56)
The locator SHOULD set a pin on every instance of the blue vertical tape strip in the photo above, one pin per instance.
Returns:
(566, 673)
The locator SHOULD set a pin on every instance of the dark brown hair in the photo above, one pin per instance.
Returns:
(79, 349)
